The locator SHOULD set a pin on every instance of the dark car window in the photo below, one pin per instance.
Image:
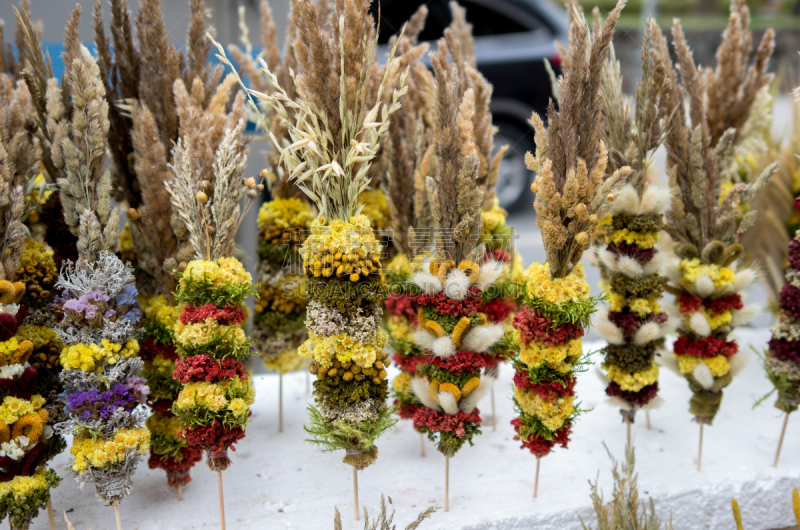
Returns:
(488, 17)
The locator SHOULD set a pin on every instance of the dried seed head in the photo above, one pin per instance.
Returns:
(133, 214)
(204, 185)
(264, 173)
(201, 197)
(252, 194)
(610, 197)
(211, 230)
(582, 238)
(250, 182)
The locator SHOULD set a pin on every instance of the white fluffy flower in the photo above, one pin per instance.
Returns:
(428, 282)
(457, 285)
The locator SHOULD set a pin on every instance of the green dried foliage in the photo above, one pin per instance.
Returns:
(344, 295)
(632, 357)
(342, 435)
(384, 521)
(648, 287)
(625, 511)
(333, 392)
(695, 156)
(334, 130)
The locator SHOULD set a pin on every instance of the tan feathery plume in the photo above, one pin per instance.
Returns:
(572, 188)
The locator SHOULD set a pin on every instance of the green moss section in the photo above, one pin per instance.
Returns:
(448, 322)
(443, 376)
(345, 295)
(219, 346)
(568, 313)
(649, 287)
(161, 386)
(342, 435)
(336, 392)
(448, 443)
(204, 291)
(279, 322)
(165, 446)
(631, 357)
(279, 254)
(160, 333)
(638, 223)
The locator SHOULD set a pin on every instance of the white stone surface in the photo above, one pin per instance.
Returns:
(278, 481)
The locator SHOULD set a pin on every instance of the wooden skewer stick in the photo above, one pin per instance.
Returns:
(355, 489)
(447, 484)
(780, 441)
(647, 415)
(700, 450)
(422, 444)
(50, 518)
(221, 500)
(280, 403)
(536, 480)
(494, 412)
(180, 492)
(628, 426)
(119, 518)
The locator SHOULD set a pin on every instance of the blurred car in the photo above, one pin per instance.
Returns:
(512, 40)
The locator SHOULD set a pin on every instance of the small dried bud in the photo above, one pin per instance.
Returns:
(201, 197)
(260, 187)
(182, 266)
(211, 230)
(582, 238)
(264, 173)
(610, 197)
(250, 182)
(593, 219)
(204, 185)
(581, 212)
(534, 186)
(133, 214)
(252, 194)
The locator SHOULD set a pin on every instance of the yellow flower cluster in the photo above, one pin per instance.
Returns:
(15, 352)
(232, 394)
(399, 327)
(558, 357)
(402, 383)
(718, 365)
(24, 487)
(104, 454)
(631, 382)
(157, 308)
(90, 357)
(14, 408)
(572, 288)
(288, 296)
(641, 306)
(160, 365)
(38, 335)
(552, 414)
(126, 240)
(643, 240)
(401, 266)
(494, 219)
(201, 333)
(285, 362)
(340, 236)
(164, 425)
(692, 269)
(342, 347)
(284, 213)
(225, 271)
(376, 208)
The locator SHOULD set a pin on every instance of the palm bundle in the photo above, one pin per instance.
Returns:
(634, 324)
(283, 221)
(451, 330)
(782, 359)
(26, 417)
(96, 307)
(706, 222)
(334, 133)
(213, 405)
(160, 95)
(573, 191)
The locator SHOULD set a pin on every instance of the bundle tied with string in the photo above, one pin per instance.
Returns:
(707, 219)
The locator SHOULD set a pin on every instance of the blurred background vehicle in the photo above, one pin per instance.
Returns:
(513, 38)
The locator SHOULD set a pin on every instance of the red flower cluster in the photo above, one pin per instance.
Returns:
(409, 364)
(785, 350)
(441, 422)
(640, 398)
(225, 316)
(407, 411)
(463, 362)
(491, 360)
(540, 446)
(206, 368)
(641, 255)
(689, 303)
(21, 387)
(9, 323)
(794, 254)
(497, 255)
(177, 470)
(630, 322)
(726, 303)
(549, 390)
(790, 300)
(149, 349)
(402, 305)
(533, 326)
(497, 309)
(448, 306)
(162, 406)
(214, 437)
(706, 348)
(10, 468)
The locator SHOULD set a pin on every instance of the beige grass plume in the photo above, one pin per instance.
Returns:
(572, 188)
